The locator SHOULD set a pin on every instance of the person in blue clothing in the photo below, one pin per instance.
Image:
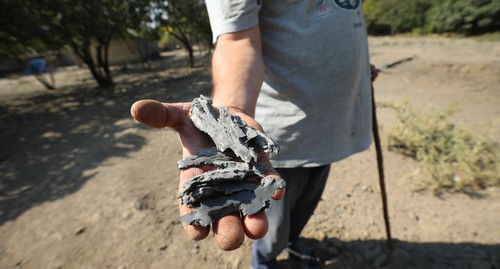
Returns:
(37, 65)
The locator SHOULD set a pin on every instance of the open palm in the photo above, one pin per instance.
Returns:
(229, 231)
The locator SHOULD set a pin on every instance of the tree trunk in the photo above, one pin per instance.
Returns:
(186, 43)
(104, 80)
(191, 56)
(106, 62)
(102, 64)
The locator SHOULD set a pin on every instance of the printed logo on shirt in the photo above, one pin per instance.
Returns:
(322, 7)
(348, 4)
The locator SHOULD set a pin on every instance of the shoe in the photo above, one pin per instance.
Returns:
(302, 257)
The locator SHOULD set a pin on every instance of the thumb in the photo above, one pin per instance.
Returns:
(159, 115)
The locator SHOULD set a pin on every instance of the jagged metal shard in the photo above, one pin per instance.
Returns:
(256, 138)
(233, 187)
(206, 156)
(211, 156)
(229, 131)
(194, 198)
(219, 176)
(263, 194)
(246, 202)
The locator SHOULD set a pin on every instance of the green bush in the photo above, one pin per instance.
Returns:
(471, 17)
(450, 157)
(468, 17)
(395, 16)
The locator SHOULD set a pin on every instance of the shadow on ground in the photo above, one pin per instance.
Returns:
(51, 141)
(335, 253)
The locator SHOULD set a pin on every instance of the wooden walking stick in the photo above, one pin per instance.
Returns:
(380, 165)
(378, 147)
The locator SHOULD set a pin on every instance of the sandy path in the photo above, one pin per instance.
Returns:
(84, 186)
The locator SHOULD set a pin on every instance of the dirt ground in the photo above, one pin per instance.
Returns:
(84, 186)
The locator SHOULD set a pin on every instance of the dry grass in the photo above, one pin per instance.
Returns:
(450, 157)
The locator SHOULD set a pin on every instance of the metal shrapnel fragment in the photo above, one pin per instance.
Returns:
(219, 176)
(199, 194)
(229, 131)
(233, 187)
(246, 202)
(206, 156)
(255, 137)
(216, 179)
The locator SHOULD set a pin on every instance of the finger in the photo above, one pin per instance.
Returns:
(374, 72)
(159, 115)
(256, 225)
(278, 194)
(228, 232)
(271, 172)
(194, 232)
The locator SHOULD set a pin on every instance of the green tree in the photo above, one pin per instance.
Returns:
(395, 16)
(21, 35)
(80, 23)
(19, 30)
(187, 21)
(471, 17)
(84, 25)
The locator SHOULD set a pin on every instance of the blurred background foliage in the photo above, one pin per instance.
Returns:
(463, 17)
(88, 26)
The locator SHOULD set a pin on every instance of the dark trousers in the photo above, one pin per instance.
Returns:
(288, 216)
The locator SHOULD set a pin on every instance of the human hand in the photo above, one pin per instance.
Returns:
(229, 231)
(374, 72)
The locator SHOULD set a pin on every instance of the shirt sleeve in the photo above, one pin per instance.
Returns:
(229, 16)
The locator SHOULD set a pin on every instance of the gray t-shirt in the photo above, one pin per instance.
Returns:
(315, 100)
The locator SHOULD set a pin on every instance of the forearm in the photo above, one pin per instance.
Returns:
(238, 70)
